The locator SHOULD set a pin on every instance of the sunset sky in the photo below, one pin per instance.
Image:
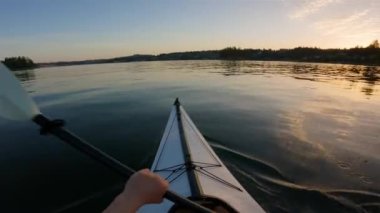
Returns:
(47, 30)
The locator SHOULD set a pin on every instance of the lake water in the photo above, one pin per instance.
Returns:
(300, 137)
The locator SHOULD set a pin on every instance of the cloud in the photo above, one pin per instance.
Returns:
(361, 24)
(310, 7)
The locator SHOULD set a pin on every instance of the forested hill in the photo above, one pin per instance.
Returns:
(366, 56)
(359, 55)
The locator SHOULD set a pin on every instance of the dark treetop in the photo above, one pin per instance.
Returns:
(19, 63)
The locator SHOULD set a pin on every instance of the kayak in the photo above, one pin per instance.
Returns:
(186, 160)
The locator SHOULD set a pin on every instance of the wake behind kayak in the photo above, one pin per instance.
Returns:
(193, 170)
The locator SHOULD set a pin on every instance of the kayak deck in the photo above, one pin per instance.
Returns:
(192, 168)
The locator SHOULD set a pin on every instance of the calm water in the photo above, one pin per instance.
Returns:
(300, 137)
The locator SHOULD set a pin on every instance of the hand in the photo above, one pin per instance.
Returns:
(143, 187)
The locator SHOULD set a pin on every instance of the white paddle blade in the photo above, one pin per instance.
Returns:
(15, 103)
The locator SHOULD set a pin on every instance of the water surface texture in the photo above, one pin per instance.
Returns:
(300, 137)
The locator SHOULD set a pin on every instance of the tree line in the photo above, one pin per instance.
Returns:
(359, 55)
(369, 55)
(19, 63)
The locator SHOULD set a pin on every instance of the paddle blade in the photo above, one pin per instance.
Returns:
(15, 103)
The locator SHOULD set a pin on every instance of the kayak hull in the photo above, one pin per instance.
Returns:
(193, 169)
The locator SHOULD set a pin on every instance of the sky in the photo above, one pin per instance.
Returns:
(61, 30)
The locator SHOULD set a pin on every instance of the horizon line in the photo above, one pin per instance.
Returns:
(185, 51)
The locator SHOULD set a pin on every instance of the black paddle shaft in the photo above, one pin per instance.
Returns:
(55, 128)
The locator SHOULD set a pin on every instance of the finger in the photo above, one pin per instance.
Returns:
(144, 171)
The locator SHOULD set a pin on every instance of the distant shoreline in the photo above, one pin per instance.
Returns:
(353, 56)
(78, 63)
